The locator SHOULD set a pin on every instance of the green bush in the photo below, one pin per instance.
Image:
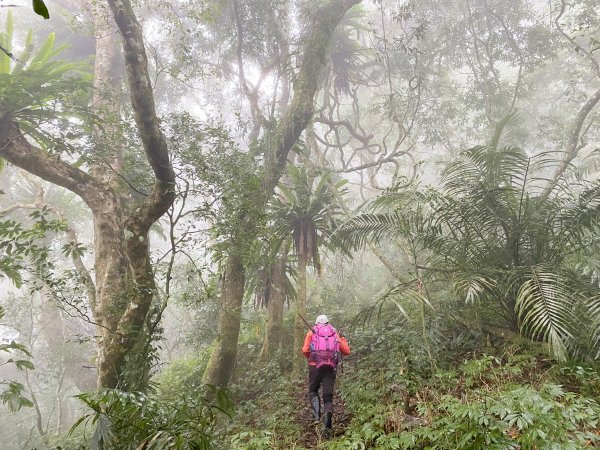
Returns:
(521, 417)
(182, 375)
(135, 420)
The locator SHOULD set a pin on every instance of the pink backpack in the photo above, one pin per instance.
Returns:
(324, 346)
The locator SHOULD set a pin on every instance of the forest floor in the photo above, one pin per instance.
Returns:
(312, 435)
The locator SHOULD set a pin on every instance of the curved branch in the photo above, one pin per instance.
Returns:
(388, 159)
(144, 109)
(573, 146)
(344, 123)
(252, 97)
(585, 51)
(15, 148)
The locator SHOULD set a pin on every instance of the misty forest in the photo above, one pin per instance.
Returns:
(193, 193)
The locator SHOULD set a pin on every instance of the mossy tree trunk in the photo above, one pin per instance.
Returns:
(300, 329)
(279, 143)
(274, 329)
(222, 359)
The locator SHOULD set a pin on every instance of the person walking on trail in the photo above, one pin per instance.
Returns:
(323, 347)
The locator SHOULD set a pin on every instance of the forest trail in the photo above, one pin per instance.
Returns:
(311, 434)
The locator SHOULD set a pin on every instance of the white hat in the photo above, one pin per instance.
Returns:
(322, 319)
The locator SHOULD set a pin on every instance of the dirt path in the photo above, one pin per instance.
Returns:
(312, 435)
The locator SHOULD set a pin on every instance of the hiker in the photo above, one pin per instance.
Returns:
(324, 347)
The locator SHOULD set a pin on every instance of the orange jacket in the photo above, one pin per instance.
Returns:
(344, 347)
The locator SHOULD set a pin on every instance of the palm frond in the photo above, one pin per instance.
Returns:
(376, 228)
(544, 306)
(487, 169)
(474, 287)
(396, 299)
(578, 218)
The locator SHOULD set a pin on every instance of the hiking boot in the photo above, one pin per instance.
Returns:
(327, 420)
(315, 404)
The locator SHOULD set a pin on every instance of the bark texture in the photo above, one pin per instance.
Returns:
(274, 329)
(300, 329)
(573, 146)
(222, 360)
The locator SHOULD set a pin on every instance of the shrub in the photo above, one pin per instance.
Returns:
(132, 420)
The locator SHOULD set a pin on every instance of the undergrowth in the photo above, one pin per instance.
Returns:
(470, 395)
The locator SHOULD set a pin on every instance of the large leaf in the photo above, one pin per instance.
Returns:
(39, 7)
(6, 43)
(545, 307)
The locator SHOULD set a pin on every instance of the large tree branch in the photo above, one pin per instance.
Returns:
(144, 109)
(252, 96)
(15, 148)
(573, 146)
(345, 123)
(293, 123)
(576, 45)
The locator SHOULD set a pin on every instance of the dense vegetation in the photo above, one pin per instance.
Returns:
(184, 182)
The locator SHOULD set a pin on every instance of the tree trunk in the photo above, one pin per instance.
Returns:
(280, 142)
(573, 145)
(222, 360)
(124, 280)
(274, 330)
(300, 328)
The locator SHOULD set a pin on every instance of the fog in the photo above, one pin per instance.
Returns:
(154, 171)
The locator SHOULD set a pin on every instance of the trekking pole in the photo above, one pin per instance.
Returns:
(306, 322)
(341, 355)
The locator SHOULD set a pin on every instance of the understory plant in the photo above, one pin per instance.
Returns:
(509, 400)
(135, 420)
(493, 234)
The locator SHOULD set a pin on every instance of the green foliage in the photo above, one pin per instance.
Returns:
(13, 395)
(346, 55)
(509, 397)
(499, 241)
(73, 249)
(252, 440)
(515, 417)
(266, 401)
(23, 247)
(582, 379)
(39, 7)
(309, 214)
(182, 375)
(36, 89)
(131, 420)
(505, 401)
(225, 178)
